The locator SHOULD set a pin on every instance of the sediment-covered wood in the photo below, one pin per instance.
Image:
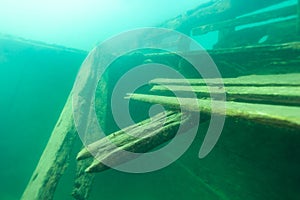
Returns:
(54, 159)
(138, 138)
(275, 115)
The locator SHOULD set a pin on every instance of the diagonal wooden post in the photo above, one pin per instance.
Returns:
(54, 159)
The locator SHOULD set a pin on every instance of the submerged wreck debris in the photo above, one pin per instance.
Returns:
(139, 138)
(261, 80)
(83, 181)
(281, 89)
(146, 135)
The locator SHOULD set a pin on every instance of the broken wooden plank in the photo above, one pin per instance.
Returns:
(252, 80)
(54, 159)
(138, 138)
(276, 94)
(275, 115)
(273, 14)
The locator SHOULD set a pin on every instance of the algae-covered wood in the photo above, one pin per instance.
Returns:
(83, 182)
(275, 94)
(54, 159)
(252, 80)
(138, 138)
(276, 115)
(275, 89)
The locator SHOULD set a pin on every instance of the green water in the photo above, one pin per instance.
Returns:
(35, 81)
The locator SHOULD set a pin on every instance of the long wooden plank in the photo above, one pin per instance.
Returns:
(252, 80)
(277, 95)
(278, 13)
(283, 116)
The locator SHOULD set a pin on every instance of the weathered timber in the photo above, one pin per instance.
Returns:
(54, 159)
(138, 138)
(284, 49)
(214, 11)
(276, 95)
(282, 12)
(252, 80)
(262, 34)
(275, 115)
(278, 89)
(83, 181)
(237, 61)
(22, 42)
(279, 58)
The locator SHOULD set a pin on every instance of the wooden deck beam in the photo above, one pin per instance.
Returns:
(275, 115)
(273, 95)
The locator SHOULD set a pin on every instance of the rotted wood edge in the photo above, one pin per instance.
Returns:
(138, 138)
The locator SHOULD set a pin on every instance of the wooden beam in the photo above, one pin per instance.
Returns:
(214, 11)
(275, 115)
(54, 159)
(289, 50)
(278, 13)
(252, 80)
(138, 138)
(273, 95)
(83, 181)
(237, 61)
(265, 34)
